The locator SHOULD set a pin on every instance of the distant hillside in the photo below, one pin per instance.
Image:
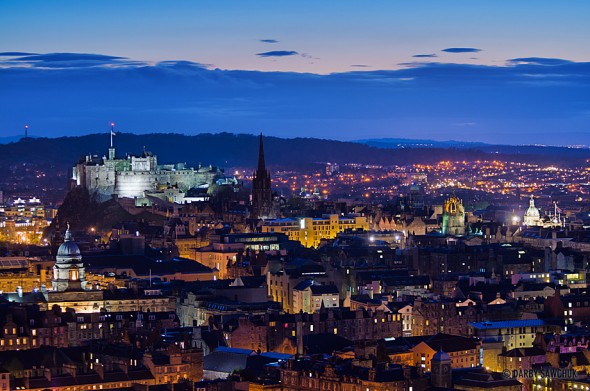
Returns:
(231, 150)
(568, 153)
(418, 143)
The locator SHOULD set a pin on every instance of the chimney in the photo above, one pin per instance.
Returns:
(407, 372)
(196, 336)
(99, 369)
(299, 335)
(124, 367)
(70, 369)
(372, 374)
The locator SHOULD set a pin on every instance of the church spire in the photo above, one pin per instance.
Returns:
(261, 188)
(261, 163)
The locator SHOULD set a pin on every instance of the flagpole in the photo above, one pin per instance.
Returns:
(112, 132)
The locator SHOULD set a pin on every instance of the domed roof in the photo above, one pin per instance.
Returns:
(68, 249)
(441, 356)
(532, 210)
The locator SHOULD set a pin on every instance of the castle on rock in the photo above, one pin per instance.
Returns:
(137, 176)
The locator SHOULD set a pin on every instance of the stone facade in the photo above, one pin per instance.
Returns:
(262, 203)
(135, 176)
(68, 271)
(453, 217)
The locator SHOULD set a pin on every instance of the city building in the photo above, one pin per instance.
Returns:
(68, 271)
(499, 336)
(307, 374)
(457, 351)
(311, 231)
(311, 297)
(22, 220)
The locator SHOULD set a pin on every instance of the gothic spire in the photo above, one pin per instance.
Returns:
(261, 164)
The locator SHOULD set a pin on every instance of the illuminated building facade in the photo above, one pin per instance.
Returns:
(532, 216)
(136, 176)
(68, 271)
(22, 220)
(310, 231)
(453, 217)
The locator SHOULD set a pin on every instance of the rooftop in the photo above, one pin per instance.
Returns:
(489, 325)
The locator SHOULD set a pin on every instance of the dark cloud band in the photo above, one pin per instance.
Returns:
(278, 53)
(461, 50)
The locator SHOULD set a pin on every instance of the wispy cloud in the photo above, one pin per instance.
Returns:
(424, 55)
(66, 60)
(13, 54)
(360, 66)
(461, 50)
(539, 61)
(278, 53)
(269, 41)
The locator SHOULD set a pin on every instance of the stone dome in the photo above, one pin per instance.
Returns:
(441, 356)
(532, 210)
(68, 249)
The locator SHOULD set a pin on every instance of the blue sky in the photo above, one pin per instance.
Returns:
(333, 69)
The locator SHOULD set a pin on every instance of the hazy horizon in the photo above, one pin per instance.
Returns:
(18, 137)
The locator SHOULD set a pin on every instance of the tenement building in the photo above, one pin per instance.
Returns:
(311, 231)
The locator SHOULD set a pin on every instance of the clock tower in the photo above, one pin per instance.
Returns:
(441, 370)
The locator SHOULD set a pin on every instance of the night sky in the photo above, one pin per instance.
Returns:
(500, 72)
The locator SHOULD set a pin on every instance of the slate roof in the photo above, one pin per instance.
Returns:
(451, 343)
(508, 324)
(324, 289)
(324, 343)
(481, 379)
(228, 360)
(524, 352)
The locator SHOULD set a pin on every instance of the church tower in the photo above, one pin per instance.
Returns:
(453, 222)
(68, 271)
(261, 189)
(441, 370)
